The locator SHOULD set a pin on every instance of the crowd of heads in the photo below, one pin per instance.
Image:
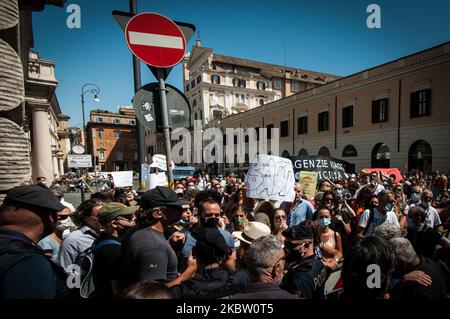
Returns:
(366, 220)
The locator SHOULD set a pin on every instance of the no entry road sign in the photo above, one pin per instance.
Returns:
(155, 40)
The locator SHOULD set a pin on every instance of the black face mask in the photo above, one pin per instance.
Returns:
(210, 222)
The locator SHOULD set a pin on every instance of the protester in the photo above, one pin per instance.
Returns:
(73, 247)
(28, 214)
(146, 289)
(251, 232)
(361, 254)
(211, 279)
(330, 239)
(301, 209)
(265, 258)
(146, 253)
(51, 243)
(407, 260)
(279, 223)
(115, 219)
(377, 215)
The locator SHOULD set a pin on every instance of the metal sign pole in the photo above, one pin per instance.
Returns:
(165, 119)
(140, 130)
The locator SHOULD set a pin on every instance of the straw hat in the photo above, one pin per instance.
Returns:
(252, 231)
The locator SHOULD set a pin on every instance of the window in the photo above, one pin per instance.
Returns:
(195, 116)
(260, 85)
(349, 151)
(215, 79)
(194, 103)
(187, 87)
(101, 153)
(257, 133)
(294, 86)
(235, 82)
(261, 101)
(380, 111)
(116, 121)
(284, 128)
(269, 131)
(323, 121)
(119, 155)
(132, 122)
(277, 84)
(99, 120)
(310, 86)
(192, 84)
(421, 103)
(117, 134)
(347, 116)
(199, 79)
(101, 133)
(242, 83)
(302, 125)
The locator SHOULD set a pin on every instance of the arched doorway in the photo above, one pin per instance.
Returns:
(419, 156)
(349, 151)
(285, 154)
(381, 156)
(303, 152)
(324, 151)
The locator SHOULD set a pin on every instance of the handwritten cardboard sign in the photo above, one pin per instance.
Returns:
(123, 179)
(309, 183)
(270, 177)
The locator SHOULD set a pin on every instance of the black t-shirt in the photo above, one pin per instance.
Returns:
(424, 241)
(107, 266)
(147, 255)
(413, 291)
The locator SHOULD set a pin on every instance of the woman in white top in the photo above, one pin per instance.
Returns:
(331, 244)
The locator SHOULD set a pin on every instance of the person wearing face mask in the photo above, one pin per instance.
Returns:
(415, 196)
(28, 214)
(239, 216)
(115, 219)
(279, 223)
(432, 220)
(266, 259)
(307, 275)
(379, 212)
(330, 240)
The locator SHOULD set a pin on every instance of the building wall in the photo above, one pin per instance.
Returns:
(118, 141)
(396, 81)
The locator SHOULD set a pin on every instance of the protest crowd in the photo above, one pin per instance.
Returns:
(205, 239)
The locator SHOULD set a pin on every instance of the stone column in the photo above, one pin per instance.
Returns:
(55, 165)
(42, 150)
(61, 163)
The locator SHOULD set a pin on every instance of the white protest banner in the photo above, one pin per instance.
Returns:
(271, 177)
(159, 161)
(157, 179)
(123, 179)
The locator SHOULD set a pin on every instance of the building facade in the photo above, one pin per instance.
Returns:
(29, 110)
(393, 115)
(217, 86)
(111, 139)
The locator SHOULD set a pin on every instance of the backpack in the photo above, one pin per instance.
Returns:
(87, 288)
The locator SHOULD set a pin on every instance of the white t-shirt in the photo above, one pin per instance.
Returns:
(432, 220)
(378, 219)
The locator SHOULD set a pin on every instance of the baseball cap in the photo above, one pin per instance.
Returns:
(34, 196)
(113, 210)
(159, 196)
(298, 232)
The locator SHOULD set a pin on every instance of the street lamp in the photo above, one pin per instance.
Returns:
(94, 89)
(88, 88)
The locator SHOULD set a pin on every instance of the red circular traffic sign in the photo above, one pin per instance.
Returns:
(155, 39)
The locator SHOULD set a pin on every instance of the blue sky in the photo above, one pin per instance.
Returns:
(325, 36)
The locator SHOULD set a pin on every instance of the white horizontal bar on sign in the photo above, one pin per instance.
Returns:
(155, 40)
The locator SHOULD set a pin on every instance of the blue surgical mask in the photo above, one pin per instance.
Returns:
(415, 198)
(324, 222)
